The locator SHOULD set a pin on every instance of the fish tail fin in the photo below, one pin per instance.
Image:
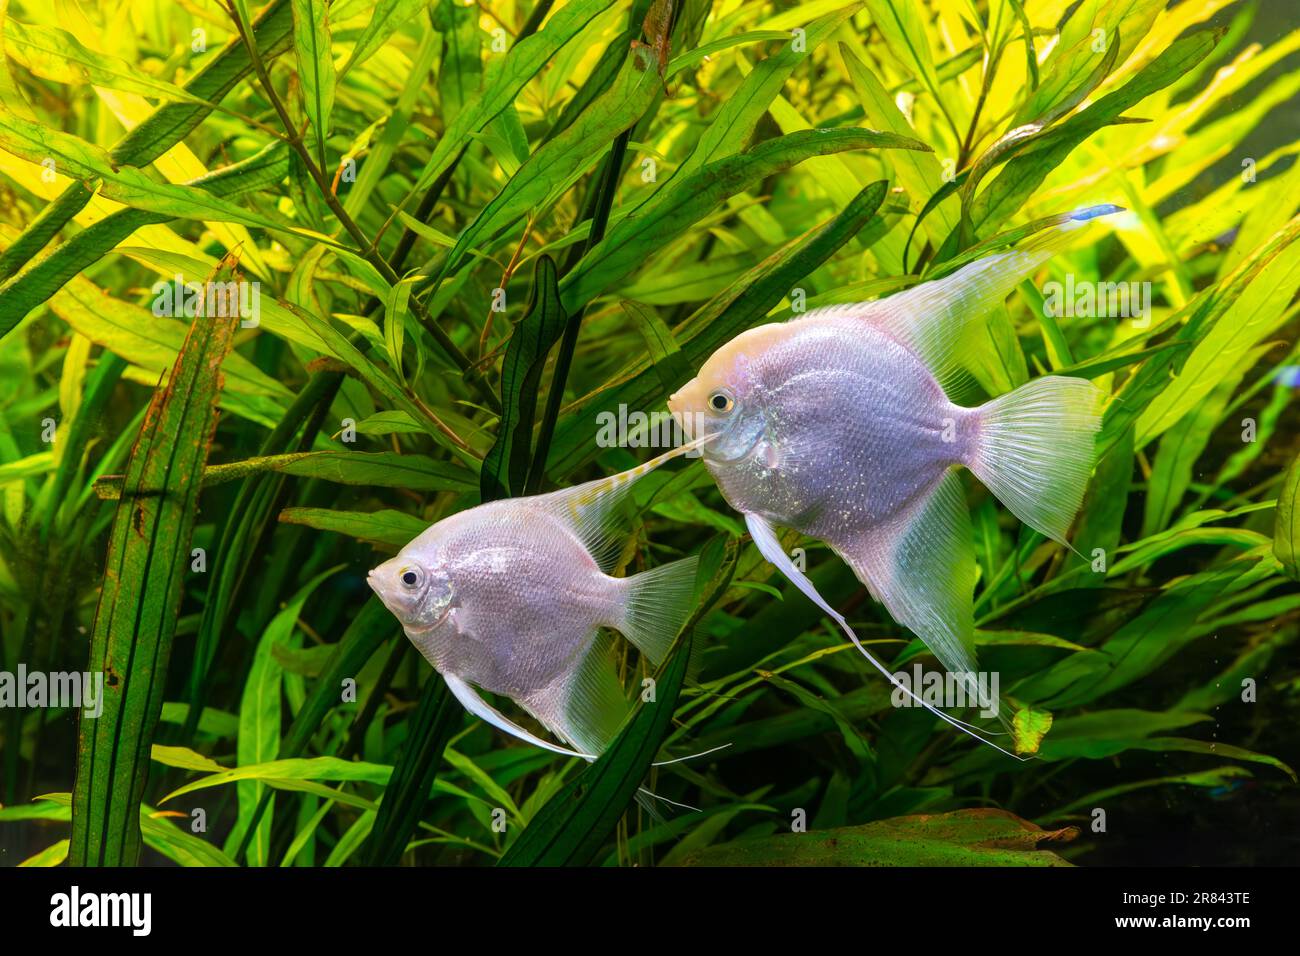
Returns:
(1036, 449)
(656, 605)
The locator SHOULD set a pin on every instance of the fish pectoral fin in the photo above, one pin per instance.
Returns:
(480, 708)
(921, 566)
(770, 547)
(587, 707)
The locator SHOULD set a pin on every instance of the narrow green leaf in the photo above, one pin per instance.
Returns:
(738, 116)
(1026, 172)
(1147, 394)
(164, 128)
(373, 625)
(388, 17)
(311, 41)
(290, 769)
(961, 838)
(557, 164)
(505, 468)
(395, 318)
(1286, 523)
(666, 356)
(148, 557)
(632, 241)
(55, 54)
(690, 58)
(503, 83)
(919, 173)
(1095, 32)
(384, 469)
(126, 184)
(32, 287)
(388, 527)
(1226, 346)
(436, 718)
(260, 718)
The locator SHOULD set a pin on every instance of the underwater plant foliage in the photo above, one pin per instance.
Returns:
(284, 285)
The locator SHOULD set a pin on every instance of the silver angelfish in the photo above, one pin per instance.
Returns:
(511, 597)
(837, 424)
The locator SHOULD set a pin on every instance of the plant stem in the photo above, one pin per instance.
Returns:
(569, 342)
(365, 247)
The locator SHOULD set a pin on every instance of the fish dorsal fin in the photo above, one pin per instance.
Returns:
(590, 507)
(931, 318)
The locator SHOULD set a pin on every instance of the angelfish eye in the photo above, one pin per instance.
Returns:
(410, 578)
(720, 401)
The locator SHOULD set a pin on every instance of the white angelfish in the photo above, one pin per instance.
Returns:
(511, 597)
(838, 424)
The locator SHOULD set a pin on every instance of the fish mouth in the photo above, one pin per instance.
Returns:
(375, 585)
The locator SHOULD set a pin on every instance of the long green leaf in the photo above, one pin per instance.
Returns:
(504, 82)
(164, 128)
(148, 558)
(393, 528)
(632, 241)
(383, 469)
(505, 468)
(961, 838)
(434, 721)
(557, 164)
(127, 184)
(1023, 174)
(1286, 524)
(311, 42)
(23, 292)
